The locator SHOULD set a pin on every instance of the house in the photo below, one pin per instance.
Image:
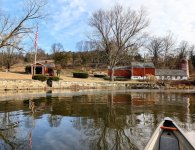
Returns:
(174, 74)
(171, 74)
(43, 67)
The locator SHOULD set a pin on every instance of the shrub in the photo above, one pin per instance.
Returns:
(50, 79)
(28, 69)
(99, 75)
(40, 77)
(80, 75)
(53, 78)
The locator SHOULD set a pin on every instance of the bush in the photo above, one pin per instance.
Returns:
(40, 77)
(99, 75)
(28, 69)
(80, 75)
(50, 79)
(54, 78)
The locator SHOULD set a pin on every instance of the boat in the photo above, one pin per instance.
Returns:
(168, 136)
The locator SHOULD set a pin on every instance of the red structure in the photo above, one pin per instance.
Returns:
(123, 71)
(142, 71)
(45, 68)
(137, 70)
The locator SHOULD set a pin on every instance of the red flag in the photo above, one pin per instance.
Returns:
(36, 38)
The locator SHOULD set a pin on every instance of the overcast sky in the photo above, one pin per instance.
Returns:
(67, 22)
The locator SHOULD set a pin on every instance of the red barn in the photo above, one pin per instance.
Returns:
(122, 71)
(137, 70)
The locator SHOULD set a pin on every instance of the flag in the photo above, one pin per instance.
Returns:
(36, 38)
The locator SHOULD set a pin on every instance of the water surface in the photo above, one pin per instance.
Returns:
(92, 120)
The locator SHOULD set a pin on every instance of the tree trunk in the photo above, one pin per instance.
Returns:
(8, 67)
(112, 74)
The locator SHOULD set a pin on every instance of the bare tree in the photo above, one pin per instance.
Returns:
(183, 49)
(57, 47)
(41, 55)
(192, 56)
(86, 46)
(58, 55)
(118, 30)
(9, 53)
(168, 48)
(10, 28)
(87, 51)
(155, 48)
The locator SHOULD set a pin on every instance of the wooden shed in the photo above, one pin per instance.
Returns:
(45, 68)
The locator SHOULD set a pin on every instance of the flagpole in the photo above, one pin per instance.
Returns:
(144, 67)
(35, 45)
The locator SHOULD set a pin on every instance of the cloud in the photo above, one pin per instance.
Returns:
(68, 14)
(67, 22)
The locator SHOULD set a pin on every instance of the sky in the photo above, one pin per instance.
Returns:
(67, 22)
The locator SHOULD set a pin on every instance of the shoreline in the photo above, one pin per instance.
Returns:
(29, 84)
(33, 94)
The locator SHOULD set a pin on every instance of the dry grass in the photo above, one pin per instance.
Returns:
(9, 75)
(17, 72)
(64, 77)
(90, 79)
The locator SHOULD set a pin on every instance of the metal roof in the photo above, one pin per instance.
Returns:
(170, 72)
(142, 65)
(121, 67)
(48, 65)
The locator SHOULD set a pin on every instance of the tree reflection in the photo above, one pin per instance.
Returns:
(54, 120)
(15, 127)
(115, 120)
(124, 122)
(113, 130)
(11, 134)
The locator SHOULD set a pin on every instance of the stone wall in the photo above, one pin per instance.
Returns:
(21, 84)
(86, 85)
(29, 84)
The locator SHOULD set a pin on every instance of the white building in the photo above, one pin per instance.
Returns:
(171, 74)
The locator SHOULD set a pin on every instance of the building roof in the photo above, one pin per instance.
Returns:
(48, 64)
(170, 72)
(121, 67)
(142, 65)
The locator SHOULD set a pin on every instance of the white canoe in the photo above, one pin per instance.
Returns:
(168, 136)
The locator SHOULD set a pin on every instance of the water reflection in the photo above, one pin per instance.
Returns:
(111, 120)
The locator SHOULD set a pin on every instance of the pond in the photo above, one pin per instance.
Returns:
(92, 119)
